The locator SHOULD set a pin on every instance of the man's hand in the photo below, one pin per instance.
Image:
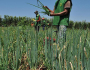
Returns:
(46, 7)
(51, 13)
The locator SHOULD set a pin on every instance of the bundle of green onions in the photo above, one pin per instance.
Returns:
(46, 11)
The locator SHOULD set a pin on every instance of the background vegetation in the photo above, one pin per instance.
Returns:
(23, 48)
(22, 21)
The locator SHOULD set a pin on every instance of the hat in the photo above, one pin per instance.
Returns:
(36, 12)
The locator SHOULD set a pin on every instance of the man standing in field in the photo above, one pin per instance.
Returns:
(61, 15)
(38, 21)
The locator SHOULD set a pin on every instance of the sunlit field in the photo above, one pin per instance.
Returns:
(25, 49)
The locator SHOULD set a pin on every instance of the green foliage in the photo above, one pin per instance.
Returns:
(77, 25)
(0, 20)
(19, 46)
(71, 24)
(84, 25)
(88, 25)
(23, 21)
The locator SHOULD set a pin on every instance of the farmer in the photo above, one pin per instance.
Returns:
(38, 21)
(43, 23)
(61, 14)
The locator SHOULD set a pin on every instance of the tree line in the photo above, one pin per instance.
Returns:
(22, 21)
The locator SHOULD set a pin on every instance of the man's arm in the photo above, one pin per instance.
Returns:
(60, 14)
(65, 12)
(38, 19)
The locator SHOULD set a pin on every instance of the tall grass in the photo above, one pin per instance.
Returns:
(20, 48)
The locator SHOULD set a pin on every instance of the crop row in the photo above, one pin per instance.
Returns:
(25, 48)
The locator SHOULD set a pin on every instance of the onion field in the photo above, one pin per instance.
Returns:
(26, 49)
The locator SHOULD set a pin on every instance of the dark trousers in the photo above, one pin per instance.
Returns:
(37, 28)
(43, 27)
